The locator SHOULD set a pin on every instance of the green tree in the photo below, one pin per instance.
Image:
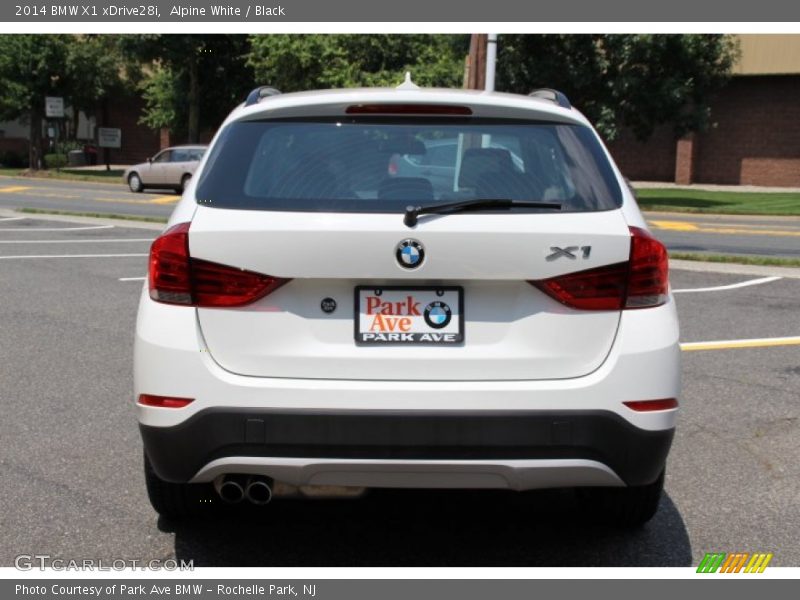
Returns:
(180, 78)
(635, 81)
(81, 69)
(317, 61)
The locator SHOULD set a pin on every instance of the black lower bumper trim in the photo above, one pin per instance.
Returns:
(177, 453)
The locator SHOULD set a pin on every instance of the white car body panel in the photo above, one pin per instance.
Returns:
(514, 330)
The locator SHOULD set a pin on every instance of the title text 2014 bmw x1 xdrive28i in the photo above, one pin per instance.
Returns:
(313, 316)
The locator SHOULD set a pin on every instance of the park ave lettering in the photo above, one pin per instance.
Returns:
(392, 316)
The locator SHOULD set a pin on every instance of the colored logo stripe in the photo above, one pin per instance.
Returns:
(758, 563)
(734, 562)
(711, 562)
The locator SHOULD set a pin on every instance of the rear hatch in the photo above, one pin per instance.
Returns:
(320, 204)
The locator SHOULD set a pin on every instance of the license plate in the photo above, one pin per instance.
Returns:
(409, 315)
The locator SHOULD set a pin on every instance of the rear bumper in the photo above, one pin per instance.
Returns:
(516, 434)
(401, 449)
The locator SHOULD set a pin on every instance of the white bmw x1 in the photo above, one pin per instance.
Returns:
(406, 288)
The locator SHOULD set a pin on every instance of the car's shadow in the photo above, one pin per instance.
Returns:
(430, 528)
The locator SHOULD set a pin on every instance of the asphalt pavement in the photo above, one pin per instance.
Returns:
(71, 474)
(84, 196)
(763, 236)
(728, 234)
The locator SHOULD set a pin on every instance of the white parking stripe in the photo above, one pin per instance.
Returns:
(13, 218)
(732, 286)
(28, 229)
(71, 256)
(132, 278)
(98, 241)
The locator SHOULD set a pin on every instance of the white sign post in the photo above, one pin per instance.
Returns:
(109, 137)
(54, 107)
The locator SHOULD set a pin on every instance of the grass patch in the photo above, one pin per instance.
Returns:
(727, 202)
(112, 176)
(769, 261)
(69, 213)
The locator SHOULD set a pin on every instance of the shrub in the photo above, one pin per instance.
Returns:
(55, 161)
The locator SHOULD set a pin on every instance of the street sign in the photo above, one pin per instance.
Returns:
(54, 107)
(109, 137)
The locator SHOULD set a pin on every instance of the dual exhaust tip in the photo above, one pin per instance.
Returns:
(256, 489)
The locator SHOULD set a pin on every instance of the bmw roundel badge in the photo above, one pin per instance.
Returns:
(410, 254)
(437, 314)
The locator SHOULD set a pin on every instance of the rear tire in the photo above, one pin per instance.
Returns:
(178, 500)
(135, 183)
(624, 507)
(184, 182)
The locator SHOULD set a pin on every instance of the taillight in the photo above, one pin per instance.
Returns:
(169, 276)
(393, 168)
(596, 289)
(648, 282)
(652, 405)
(641, 282)
(163, 401)
(177, 278)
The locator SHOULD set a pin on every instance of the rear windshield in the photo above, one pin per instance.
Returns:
(383, 166)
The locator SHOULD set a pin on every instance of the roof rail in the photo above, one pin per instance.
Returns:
(553, 96)
(258, 94)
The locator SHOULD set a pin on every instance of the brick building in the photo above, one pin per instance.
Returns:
(138, 141)
(755, 139)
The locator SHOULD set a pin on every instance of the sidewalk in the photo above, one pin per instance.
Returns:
(96, 168)
(710, 187)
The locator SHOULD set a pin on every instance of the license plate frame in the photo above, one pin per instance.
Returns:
(430, 336)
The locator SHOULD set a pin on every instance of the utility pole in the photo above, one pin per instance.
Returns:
(481, 62)
(476, 76)
(491, 61)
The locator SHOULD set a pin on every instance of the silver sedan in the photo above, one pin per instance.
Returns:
(171, 168)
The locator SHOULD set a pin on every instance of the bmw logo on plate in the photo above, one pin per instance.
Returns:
(437, 314)
(410, 254)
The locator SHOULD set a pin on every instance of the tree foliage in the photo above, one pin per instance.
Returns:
(81, 69)
(636, 81)
(318, 61)
(189, 82)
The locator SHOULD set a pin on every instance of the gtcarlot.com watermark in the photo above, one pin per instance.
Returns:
(30, 562)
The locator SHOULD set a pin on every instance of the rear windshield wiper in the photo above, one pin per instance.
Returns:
(412, 212)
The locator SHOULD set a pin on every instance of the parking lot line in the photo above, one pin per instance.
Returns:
(688, 226)
(13, 218)
(70, 256)
(164, 200)
(132, 278)
(751, 343)
(13, 189)
(29, 229)
(731, 286)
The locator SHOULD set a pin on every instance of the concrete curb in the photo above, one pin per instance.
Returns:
(4, 212)
(734, 269)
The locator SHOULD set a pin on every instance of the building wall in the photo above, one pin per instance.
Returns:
(653, 160)
(755, 139)
(138, 141)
